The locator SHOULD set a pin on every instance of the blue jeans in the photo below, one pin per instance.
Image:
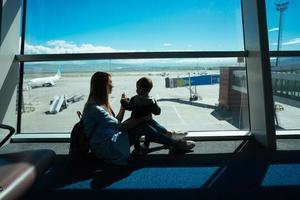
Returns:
(152, 131)
(158, 127)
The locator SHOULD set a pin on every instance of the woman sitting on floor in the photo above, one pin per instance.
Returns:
(110, 137)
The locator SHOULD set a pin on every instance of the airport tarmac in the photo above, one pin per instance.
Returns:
(178, 113)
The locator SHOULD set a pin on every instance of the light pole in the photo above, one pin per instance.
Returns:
(280, 7)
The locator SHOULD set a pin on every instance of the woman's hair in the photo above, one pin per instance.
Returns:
(99, 89)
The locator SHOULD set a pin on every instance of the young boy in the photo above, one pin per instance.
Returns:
(142, 105)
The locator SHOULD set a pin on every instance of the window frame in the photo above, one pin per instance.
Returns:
(144, 55)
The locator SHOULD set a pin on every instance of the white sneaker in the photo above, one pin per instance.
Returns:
(178, 135)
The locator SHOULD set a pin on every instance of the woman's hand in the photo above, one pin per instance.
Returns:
(121, 113)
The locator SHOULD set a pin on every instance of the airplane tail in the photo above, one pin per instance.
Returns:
(58, 73)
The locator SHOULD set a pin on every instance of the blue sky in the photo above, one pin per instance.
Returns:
(73, 26)
(137, 24)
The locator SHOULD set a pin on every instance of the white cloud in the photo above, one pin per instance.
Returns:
(292, 42)
(295, 41)
(167, 44)
(273, 29)
(62, 46)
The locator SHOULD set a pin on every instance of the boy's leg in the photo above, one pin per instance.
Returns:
(160, 128)
(134, 139)
(152, 134)
(137, 146)
(172, 134)
(146, 144)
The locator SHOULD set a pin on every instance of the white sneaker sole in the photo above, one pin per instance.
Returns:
(179, 136)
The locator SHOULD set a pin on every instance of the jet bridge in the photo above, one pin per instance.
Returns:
(192, 81)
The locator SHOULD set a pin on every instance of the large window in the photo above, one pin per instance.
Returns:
(206, 93)
(132, 26)
(194, 94)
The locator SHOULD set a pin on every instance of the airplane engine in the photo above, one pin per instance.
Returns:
(50, 84)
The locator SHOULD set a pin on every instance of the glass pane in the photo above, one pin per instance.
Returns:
(283, 24)
(194, 94)
(58, 26)
(286, 92)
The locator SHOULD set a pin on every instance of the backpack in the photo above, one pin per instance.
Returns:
(79, 142)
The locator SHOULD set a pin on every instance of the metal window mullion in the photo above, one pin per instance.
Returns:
(21, 70)
(260, 95)
(284, 53)
(129, 55)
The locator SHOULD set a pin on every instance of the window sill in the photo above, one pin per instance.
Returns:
(195, 135)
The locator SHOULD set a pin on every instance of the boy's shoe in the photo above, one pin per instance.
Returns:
(178, 135)
(183, 145)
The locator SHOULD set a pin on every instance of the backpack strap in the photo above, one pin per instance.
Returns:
(93, 129)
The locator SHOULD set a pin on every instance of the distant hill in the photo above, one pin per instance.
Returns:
(286, 64)
(148, 65)
(91, 66)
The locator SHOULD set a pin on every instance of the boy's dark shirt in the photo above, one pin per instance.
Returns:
(141, 106)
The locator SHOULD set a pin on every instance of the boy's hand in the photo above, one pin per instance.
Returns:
(124, 98)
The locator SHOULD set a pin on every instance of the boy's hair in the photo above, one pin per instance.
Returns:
(145, 83)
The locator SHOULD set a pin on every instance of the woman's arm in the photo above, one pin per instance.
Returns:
(130, 123)
(120, 115)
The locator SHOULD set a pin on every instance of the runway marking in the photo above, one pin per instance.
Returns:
(179, 116)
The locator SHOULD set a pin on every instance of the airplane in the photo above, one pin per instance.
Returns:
(44, 81)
